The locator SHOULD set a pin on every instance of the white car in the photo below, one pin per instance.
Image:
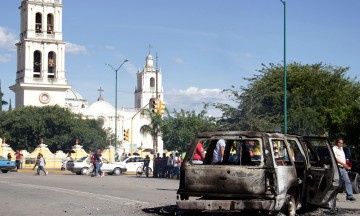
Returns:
(131, 163)
(83, 166)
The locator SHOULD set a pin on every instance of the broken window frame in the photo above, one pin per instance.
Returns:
(235, 153)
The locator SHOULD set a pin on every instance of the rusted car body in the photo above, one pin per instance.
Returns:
(282, 173)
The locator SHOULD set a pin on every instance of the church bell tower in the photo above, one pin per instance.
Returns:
(40, 74)
(149, 83)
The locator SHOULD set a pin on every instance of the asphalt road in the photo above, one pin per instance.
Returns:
(62, 193)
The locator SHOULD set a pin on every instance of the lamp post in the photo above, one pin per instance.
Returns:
(285, 99)
(116, 70)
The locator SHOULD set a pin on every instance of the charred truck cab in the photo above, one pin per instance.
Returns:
(270, 172)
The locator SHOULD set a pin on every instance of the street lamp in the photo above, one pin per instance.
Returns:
(285, 100)
(116, 70)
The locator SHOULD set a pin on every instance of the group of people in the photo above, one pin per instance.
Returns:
(18, 158)
(96, 162)
(40, 163)
(167, 166)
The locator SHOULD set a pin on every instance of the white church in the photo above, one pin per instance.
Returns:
(41, 77)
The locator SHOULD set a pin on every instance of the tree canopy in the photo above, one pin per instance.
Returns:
(321, 100)
(24, 127)
(181, 128)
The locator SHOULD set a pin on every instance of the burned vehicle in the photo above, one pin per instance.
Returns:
(267, 172)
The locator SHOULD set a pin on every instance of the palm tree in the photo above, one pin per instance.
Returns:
(153, 128)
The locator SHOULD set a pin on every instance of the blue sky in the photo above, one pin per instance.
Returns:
(204, 46)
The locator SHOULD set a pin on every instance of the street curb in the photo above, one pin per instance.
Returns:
(30, 170)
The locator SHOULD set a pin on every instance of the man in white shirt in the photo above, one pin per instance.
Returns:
(219, 151)
(343, 167)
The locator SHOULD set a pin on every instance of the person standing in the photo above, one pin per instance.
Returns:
(92, 166)
(176, 166)
(146, 165)
(9, 156)
(21, 160)
(199, 154)
(97, 162)
(156, 165)
(170, 166)
(17, 159)
(164, 166)
(42, 163)
(218, 153)
(343, 167)
(36, 161)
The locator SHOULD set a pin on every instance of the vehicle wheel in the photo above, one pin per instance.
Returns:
(4, 171)
(84, 171)
(289, 208)
(78, 173)
(117, 171)
(356, 184)
(139, 171)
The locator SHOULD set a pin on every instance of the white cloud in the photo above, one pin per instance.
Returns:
(75, 49)
(193, 98)
(248, 55)
(5, 58)
(178, 60)
(7, 40)
(109, 47)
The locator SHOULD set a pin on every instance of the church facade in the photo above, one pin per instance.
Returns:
(41, 78)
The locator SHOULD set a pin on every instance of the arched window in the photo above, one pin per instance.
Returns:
(51, 64)
(37, 64)
(152, 82)
(50, 24)
(38, 23)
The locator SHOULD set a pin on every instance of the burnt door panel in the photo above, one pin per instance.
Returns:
(300, 162)
(323, 175)
(286, 172)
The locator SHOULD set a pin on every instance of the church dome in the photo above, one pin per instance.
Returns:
(74, 100)
(72, 95)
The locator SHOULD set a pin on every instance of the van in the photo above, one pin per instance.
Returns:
(259, 171)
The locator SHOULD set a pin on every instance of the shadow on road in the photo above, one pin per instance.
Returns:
(172, 210)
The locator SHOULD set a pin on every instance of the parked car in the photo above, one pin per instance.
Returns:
(133, 162)
(6, 165)
(277, 173)
(352, 155)
(83, 166)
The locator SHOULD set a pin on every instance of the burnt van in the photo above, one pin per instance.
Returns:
(257, 171)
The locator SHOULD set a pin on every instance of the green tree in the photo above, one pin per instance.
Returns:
(58, 127)
(181, 128)
(321, 99)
